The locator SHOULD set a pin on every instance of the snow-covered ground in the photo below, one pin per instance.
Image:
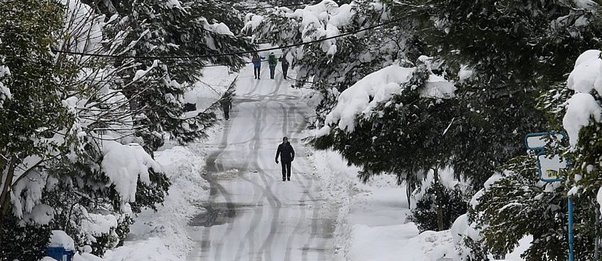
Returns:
(227, 201)
(163, 235)
(372, 219)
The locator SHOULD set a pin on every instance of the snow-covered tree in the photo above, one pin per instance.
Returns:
(394, 121)
(332, 66)
(515, 204)
(180, 31)
(32, 112)
(439, 207)
(75, 114)
(513, 50)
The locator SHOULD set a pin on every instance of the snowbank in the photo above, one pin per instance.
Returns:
(399, 243)
(371, 224)
(162, 235)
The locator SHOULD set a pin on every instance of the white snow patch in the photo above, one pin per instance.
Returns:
(59, 238)
(220, 28)
(579, 110)
(98, 224)
(41, 214)
(586, 75)
(465, 73)
(4, 91)
(378, 86)
(375, 88)
(371, 222)
(141, 73)
(461, 228)
(124, 165)
(153, 249)
(586, 4)
(163, 234)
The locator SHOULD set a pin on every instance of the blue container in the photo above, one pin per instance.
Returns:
(60, 254)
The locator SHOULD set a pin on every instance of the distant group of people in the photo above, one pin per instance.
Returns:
(272, 62)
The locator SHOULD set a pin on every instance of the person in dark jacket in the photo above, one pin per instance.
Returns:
(256, 65)
(272, 64)
(287, 155)
(284, 63)
(226, 106)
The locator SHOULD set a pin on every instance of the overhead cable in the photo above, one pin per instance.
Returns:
(152, 57)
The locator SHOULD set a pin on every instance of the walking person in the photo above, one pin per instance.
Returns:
(226, 106)
(284, 64)
(256, 60)
(272, 63)
(287, 155)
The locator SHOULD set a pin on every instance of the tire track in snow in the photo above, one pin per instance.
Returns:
(257, 212)
(275, 203)
(257, 81)
(316, 206)
(212, 168)
(304, 186)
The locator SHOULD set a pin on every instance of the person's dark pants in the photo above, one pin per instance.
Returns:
(272, 68)
(284, 70)
(286, 170)
(256, 70)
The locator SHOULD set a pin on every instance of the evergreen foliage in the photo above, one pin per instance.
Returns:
(532, 42)
(22, 242)
(35, 110)
(356, 55)
(65, 113)
(518, 205)
(160, 29)
(390, 138)
(450, 200)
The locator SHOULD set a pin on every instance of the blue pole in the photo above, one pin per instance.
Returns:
(571, 233)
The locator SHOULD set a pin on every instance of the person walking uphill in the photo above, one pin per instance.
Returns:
(272, 63)
(256, 65)
(287, 155)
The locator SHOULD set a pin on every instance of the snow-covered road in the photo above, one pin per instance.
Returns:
(251, 213)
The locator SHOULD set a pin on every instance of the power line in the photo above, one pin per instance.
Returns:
(227, 54)
(245, 8)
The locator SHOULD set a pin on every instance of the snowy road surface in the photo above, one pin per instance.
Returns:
(251, 213)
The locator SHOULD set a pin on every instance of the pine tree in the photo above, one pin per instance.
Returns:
(405, 136)
(515, 49)
(439, 207)
(518, 205)
(34, 110)
(356, 55)
(161, 29)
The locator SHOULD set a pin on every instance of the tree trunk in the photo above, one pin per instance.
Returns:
(8, 172)
(438, 203)
(408, 193)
